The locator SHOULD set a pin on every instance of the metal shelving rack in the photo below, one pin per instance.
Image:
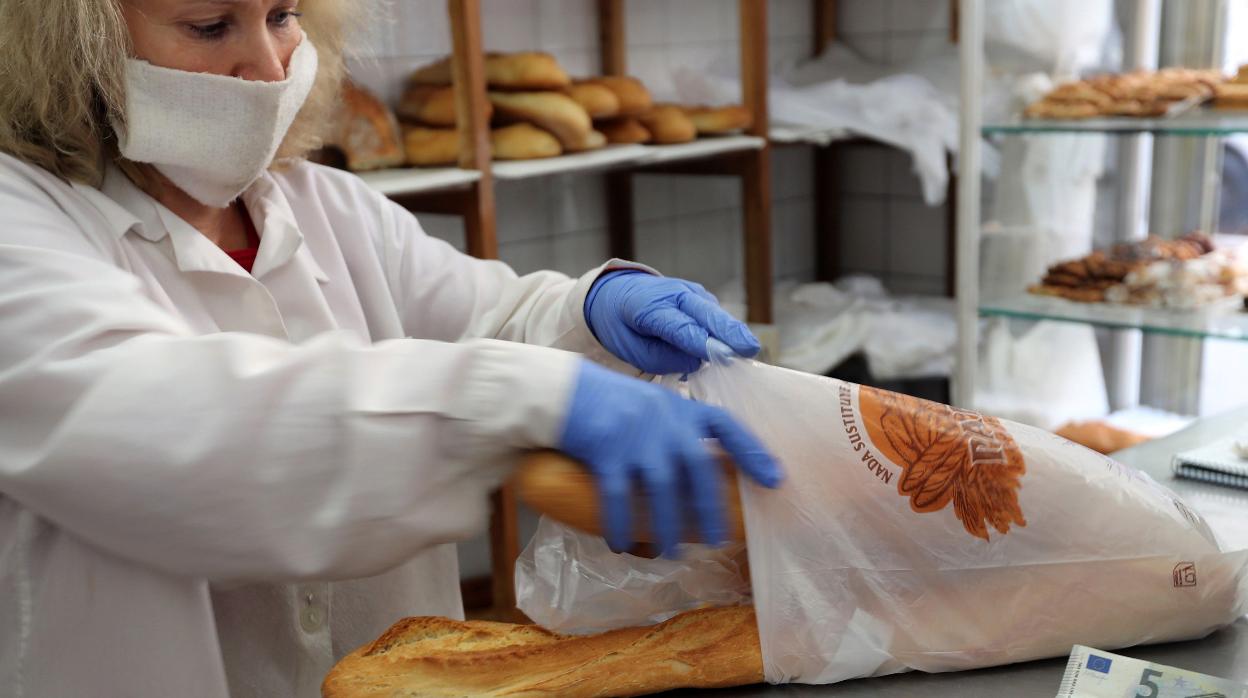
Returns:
(1217, 322)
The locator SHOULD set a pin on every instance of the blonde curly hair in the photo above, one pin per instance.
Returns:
(61, 67)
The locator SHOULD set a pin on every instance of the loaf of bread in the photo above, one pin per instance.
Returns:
(623, 130)
(531, 70)
(559, 487)
(668, 124)
(634, 98)
(716, 121)
(430, 105)
(366, 131)
(551, 111)
(438, 657)
(598, 100)
(429, 147)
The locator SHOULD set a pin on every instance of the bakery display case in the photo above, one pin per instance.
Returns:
(1167, 125)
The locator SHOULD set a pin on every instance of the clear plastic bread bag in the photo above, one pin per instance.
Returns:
(912, 535)
(571, 582)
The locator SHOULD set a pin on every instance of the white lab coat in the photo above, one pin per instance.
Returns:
(189, 452)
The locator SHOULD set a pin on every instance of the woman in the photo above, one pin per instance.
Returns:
(191, 451)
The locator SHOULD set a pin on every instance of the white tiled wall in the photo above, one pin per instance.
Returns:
(886, 228)
(686, 226)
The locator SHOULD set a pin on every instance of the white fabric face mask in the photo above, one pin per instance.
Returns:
(211, 135)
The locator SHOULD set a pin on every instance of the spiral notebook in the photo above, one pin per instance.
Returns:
(1216, 463)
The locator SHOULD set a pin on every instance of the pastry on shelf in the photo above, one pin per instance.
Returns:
(718, 121)
(1233, 94)
(599, 101)
(431, 105)
(705, 648)
(668, 124)
(1183, 273)
(1101, 436)
(1046, 109)
(634, 98)
(623, 130)
(1136, 94)
(366, 131)
(430, 147)
(551, 111)
(529, 70)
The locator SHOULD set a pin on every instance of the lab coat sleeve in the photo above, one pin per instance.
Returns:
(445, 294)
(238, 457)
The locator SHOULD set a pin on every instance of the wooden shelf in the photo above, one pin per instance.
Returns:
(400, 181)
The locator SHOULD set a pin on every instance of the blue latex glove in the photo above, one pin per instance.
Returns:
(661, 325)
(629, 432)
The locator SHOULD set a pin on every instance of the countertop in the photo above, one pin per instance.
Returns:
(1223, 654)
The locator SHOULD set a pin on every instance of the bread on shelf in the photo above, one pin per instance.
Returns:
(668, 124)
(529, 70)
(623, 130)
(523, 142)
(430, 105)
(366, 131)
(440, 658)
(634, 98)
(718, 121)
(551, 111)
(432, 147)
(598, 101)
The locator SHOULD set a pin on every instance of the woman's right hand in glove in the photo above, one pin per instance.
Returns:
(631, 433)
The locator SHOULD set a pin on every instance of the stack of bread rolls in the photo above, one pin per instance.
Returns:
(535, 109)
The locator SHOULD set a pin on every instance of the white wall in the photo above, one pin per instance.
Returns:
(686, 226)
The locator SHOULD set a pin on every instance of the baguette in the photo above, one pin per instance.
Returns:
(428, 147)
(532, 70)
(624, 130)
(668, 124)
(367, 132)
(562, 489)
(634, 98)
(438, 657)
(550, 111)
(598, 100)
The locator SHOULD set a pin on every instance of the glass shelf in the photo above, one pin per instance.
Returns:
(1223, 320)
(1196, 122)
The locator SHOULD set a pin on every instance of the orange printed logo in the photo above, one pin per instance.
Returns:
(948, 455)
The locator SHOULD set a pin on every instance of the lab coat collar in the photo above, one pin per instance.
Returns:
(280, 238)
